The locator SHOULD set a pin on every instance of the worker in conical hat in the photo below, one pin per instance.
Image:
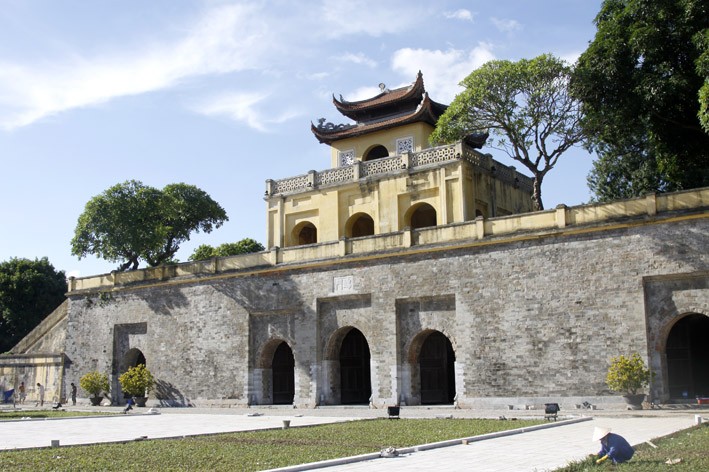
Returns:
(613, 446)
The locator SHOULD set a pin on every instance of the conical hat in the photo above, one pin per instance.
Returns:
(600, 433)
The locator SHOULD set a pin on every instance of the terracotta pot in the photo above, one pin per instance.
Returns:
(96, 401)
(140, 401)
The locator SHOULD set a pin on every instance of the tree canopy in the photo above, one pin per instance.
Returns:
(29, 291)
(644, 87)
(245, 246)
(525, 106)
(130, 222)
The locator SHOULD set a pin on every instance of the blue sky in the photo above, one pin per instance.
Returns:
(221, 94)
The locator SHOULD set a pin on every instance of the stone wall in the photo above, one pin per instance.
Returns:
(533, 316)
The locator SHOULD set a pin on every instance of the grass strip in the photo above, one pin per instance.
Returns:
(253, 451)
(22, 414)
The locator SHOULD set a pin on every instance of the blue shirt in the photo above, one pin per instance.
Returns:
(617, 448)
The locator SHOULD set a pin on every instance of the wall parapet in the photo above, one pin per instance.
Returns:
(411, 161)
(559, 220)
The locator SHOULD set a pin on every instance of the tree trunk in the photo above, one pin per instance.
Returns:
(537, 193)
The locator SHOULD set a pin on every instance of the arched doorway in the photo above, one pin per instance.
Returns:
(283, 375)
(305, 233)
(133, 358)
(377, 152)
(688, 358)
(355, 380)
(422, 215)
(437, 370)
(359, 225)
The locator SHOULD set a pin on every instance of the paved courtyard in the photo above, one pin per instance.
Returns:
(531, 450)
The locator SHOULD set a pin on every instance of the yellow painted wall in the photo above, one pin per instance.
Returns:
(387, 138)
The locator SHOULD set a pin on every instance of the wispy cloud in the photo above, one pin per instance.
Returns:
(462, 14)
(358, 58)
(506, 25)
(224, 40)
(371, 18)
(442, 70)
(242, 107)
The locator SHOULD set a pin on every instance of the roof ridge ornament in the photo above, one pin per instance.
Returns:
(323, 126)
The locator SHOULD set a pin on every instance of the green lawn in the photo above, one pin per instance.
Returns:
(253, 451)
(691, 446)
(19, 414)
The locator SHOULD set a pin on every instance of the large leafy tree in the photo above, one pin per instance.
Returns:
(525, 106)
(130, 222)
(245, 246)
(29, 291)
(639, 81)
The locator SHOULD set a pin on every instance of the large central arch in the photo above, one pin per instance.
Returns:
(688, 358)
(354, 362)
(433, 361)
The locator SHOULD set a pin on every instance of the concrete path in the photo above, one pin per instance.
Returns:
(97, 429)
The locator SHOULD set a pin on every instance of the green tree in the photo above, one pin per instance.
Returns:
(639, 82)
(131, 221)
(525, 106)
(29, 291)
(245, 246)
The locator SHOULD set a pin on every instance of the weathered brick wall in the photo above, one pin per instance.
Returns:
(533, 318)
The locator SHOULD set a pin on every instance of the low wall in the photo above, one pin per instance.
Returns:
(561, 218)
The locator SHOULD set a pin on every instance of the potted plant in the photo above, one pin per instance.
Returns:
(137, 382)
(95, 383)
(627, 375)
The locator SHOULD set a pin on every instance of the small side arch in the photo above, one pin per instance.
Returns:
(421, 215)
(304, 233)
(276, 365)
(359, 225)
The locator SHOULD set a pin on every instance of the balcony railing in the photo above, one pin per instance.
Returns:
(398, 164)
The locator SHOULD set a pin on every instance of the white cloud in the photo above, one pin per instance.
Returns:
(225, 39)
(359, 58)
(462, 14)
(373, 18)
(242, 107)
(442, 70)
(506, 25)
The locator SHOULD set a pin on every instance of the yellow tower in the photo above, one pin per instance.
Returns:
(385, 177)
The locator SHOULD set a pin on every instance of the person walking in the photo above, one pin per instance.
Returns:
(21, 393)
(73, 394)
(40, 394)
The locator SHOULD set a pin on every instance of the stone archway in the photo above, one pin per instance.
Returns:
(283, 375)
(359, 225)
(355, 376)
(422, 215)
(432, 361)
(687, 353)
(347, 368)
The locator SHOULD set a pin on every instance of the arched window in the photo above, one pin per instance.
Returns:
(377, 152)
(422, 216)
(305, 233)
(359, 224)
